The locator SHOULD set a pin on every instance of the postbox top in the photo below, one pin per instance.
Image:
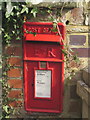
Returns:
(43, 31)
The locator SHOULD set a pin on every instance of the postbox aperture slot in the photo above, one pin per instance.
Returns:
(44, 42)
(43, 84)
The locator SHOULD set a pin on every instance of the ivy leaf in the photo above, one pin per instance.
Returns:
(34, 33)
(2, 29)
(27, 10)
(15, 20)
(18, 13)
(54, 30)
(51, 18)
(12, 13)
(15, 26)
(76, 58)
(1, 80)
(16, 7)
(24, 9)
(49, 11)
(0, 66)
(18, 38)
(9, 9)
(6, 108)
(71, 50)
(64, 52)
(13, 32)
(30, 32)
(7, 36)
(54, 25)
(34, 11)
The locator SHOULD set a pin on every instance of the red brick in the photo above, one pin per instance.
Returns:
(15, 61)
(14, 50)
(82, 52)
(73, 64)
(17, 103)
(15, 83)
(15, 94)
(14, 72)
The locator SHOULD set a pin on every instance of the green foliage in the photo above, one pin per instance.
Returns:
(64, 52)
(34, 11)
(7, 110)
(76, 58)
(24, 9)
(12, 28)
(29, 32)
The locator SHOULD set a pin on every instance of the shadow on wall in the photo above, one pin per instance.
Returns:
(71, 98)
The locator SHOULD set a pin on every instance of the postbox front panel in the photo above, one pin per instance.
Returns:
(43, 68)
(43, 87)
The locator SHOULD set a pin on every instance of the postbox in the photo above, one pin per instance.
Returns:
(43, 67)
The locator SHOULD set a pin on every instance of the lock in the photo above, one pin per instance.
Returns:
(32, 84)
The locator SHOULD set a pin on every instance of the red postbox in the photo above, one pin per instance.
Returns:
(43, 67)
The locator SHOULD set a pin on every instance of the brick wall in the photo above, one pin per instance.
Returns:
(78, 42)
(77, 39)
(15, 74)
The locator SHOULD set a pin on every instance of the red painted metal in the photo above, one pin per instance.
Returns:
(42, 44)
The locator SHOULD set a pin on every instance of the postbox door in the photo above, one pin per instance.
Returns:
(43, 87)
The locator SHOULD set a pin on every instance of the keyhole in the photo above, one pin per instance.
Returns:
(43, 64)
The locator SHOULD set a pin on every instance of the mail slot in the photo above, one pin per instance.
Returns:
(43, 67)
